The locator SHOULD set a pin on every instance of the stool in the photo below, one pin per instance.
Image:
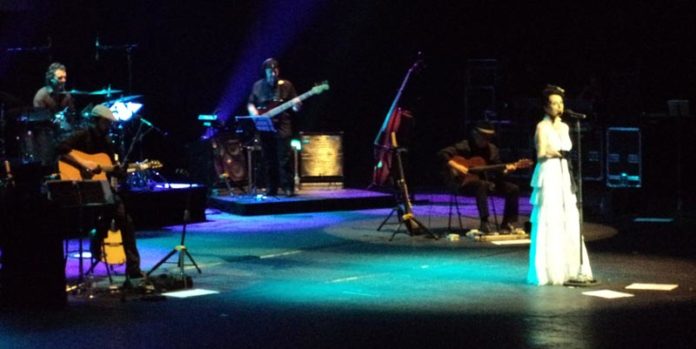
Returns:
(454, 205)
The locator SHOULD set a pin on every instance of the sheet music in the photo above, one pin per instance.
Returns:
(261, 123)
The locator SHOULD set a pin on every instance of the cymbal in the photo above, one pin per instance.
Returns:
(105, 92)
(124, 99)
(75, 92)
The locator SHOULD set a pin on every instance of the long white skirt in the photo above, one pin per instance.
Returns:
(554, 255)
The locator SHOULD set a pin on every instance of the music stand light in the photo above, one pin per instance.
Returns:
(124, 111)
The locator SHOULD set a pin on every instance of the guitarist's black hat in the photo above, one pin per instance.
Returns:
(485, 128)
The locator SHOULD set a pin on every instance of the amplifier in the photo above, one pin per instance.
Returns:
(321, 157)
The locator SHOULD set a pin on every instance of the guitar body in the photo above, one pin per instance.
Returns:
(114, 253)
(70, 172)
(383, 149)
(470, 163)
(478, 165)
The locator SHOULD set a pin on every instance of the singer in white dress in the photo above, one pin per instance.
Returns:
(554, 255)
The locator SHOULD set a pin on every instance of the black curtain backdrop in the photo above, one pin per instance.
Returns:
(640, 55)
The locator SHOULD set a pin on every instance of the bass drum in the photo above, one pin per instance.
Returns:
(36, 136)
(229, 158)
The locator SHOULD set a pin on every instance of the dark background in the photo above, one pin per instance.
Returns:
(640, 54)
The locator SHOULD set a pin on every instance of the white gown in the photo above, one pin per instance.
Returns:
(554, 251)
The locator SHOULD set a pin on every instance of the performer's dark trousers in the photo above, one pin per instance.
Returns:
(277, 159)
(481, 188)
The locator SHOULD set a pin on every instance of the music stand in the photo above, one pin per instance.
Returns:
(256, 122)
(253, 124)
(87, 199)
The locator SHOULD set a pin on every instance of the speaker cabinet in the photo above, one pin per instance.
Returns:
(321, 157)
(624, 157)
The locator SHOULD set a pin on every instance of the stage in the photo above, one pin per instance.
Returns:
(315, 279)
(305, 200)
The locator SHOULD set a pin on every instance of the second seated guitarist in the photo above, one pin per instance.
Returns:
(267, 93)
(477, 150)
(95, 140)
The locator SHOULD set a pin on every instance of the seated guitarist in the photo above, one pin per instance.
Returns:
(277, 154)
(95, 140)
(460, 157)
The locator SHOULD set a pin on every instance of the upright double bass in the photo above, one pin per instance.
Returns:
(383, 145)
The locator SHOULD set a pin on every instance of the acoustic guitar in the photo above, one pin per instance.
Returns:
(478, 165)
(113, 252)
(70, 171)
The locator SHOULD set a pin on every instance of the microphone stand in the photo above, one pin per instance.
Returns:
(181, 248)
(580, 280)
(128, 48)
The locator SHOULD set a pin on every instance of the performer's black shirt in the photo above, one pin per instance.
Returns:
(88, 141)
(264, 97)
(468, 149)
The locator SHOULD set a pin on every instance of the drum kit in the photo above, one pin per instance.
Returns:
(32, 134)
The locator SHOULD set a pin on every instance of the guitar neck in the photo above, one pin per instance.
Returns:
(287, 105)
(488, 168)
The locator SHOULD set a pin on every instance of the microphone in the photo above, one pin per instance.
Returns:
(96, 49)
(148, 123)
(144, 121)
(574, 115)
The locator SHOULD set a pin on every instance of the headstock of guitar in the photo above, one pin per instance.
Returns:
(321, 88)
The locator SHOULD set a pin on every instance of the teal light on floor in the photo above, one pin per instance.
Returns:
(379, 282)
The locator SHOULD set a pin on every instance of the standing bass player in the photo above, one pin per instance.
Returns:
(266, 94)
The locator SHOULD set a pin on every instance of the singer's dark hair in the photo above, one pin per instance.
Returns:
(550, 90)
(50, 72)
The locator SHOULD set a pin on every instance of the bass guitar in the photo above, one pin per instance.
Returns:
(279, 109)
(75, 172)
(478, 165)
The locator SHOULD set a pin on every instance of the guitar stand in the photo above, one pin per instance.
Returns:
(413, 225)
(96, 261)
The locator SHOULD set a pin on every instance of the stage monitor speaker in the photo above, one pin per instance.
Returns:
(592, 139)
(624, 157)
(321, 157)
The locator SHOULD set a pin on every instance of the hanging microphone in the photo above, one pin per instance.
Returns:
(96, 49)
(574, 115)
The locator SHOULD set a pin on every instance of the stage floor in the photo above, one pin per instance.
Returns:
(320, 279)
(306, 200)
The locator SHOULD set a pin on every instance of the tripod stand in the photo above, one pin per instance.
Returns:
(404, 208)
(181, 249)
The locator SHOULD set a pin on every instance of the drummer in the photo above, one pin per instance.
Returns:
(51, 119)
(53, 96)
